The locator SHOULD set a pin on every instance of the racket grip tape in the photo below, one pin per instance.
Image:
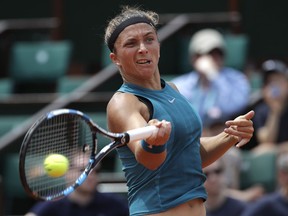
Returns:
(141, 133)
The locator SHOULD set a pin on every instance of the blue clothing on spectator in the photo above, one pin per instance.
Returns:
(231, 207)
(227, 95)
(270, 205)
(103, 204)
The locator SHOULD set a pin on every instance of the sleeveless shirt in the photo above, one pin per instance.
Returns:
(180, 177)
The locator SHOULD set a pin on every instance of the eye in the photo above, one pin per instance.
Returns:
(150, 39)
(129, 44)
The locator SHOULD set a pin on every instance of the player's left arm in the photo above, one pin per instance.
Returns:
(239, 131)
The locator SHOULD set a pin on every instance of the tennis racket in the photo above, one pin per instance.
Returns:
(74, 135)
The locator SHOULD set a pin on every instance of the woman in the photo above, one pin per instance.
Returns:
(164, 172)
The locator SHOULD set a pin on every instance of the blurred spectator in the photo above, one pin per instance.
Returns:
(213, 89)
(275, 203)
(271, 114)
(85, 200)
(218, 203)
(233, 157)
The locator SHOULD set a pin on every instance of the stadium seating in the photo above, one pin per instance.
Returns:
(259, 169)
(35, 66)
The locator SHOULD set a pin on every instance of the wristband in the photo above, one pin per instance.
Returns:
(153, 149)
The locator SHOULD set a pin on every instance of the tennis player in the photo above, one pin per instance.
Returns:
(164, 172)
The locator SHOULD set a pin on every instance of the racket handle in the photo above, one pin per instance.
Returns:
(141, 133)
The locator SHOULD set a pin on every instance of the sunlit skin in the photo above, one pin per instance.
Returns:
(137, 55)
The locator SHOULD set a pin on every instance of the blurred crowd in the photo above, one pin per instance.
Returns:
(219, 92)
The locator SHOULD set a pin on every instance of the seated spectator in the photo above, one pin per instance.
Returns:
(213, 89)
(275, 203)
(218, 202)
(233, 157)
(85, 200)
(271, 114)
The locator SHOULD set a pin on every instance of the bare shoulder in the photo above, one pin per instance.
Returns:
(173, 85)
(121, 100)
(123, 112)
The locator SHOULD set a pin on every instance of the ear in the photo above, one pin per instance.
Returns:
(114, 59)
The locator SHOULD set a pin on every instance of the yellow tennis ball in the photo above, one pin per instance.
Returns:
(56, 165)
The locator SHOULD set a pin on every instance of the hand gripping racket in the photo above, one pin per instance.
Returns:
(73, 135)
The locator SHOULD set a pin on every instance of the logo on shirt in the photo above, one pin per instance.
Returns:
(171, 100)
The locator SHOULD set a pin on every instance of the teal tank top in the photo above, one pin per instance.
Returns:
(180, 178)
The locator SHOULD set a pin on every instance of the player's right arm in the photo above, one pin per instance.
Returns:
(126, 112)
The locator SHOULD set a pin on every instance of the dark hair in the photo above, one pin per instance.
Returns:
(273, 66)
(129, 15)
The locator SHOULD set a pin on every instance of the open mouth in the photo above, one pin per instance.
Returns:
(143, 62)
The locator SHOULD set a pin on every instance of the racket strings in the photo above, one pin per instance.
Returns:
(63, 134)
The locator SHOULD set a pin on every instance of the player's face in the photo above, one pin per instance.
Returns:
(137, 51)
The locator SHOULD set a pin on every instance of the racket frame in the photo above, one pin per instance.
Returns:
(119, 139)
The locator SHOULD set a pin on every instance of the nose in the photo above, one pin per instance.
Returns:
(142, 48)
